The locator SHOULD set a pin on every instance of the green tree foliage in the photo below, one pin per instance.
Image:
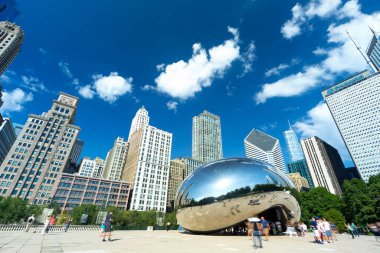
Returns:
(336, 217)
(171, 217)
(90, 210)
(358, 205)
(15, 210)
(374, 194)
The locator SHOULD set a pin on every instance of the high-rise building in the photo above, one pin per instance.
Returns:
(33, 166)
(7, 138)
(352, 173)
(18, 128)
(91, 168)
(323, 161)
(264, 147)
(147, 168)
(300, 166)
(75, 153)
(293, 145)
(115, 160)
(8, 10)
(355, 105)
(207, 137)
(190, 165)
(373, 51)
(176, 176)
(75, 190)
(141, 119)
(299, 181)
(11, 37)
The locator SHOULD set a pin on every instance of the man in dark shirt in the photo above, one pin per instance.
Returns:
(107, 226)
(266, 227)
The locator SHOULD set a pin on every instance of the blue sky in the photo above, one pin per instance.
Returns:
(256, 64)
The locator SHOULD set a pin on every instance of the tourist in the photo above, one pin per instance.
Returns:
(321, 230)
(303, 229)
(29, 223)
(45, 229)
(256, 228)
(355, 229)
(53, 220)
(265, 227)
(297, 228)
(279, 227)
(313, 225)
(273, 227)
(67, 224)
(249, 228)
(107, 226)
(168, 225)
(350, 230)
(327, 228)
(375, 229)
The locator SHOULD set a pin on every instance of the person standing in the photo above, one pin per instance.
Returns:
(265, 227)
(327, 228)
(168, 224)
(257, 227)
(355, 229)
(279, 227)
(313, 225)
(46, 225)
(349, 228)
(29, 223)
(67, 224)
(107, 227)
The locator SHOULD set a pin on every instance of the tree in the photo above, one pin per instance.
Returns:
(374, 195)
(90, 210)
(13, 210)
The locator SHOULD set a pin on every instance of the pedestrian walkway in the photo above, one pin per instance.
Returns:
(172, 241)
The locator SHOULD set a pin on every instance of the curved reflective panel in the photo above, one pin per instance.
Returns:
(225, 192)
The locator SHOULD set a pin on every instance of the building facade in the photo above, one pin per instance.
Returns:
(299, 181)
(17, 128)
(91, 168)
(33, 166)
(207, 137)
(190, 165)
(355, 106)
(75, 190)
(320, 158)
(176, 176)
(141, 119)
(373, 51)
(11, 38)
(301, 167)
(261, 146)
(147, 167)
(115, 160)
(75, 153)
(7, 138)
(293, 145)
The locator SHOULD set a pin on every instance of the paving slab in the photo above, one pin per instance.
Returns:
(172, 241)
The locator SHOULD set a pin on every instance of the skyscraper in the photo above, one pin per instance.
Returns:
(91, 168)
(7, 138)
(373, 51)
(293, 145)
(300, 166)
(355, 106)
(147, 168)
(33, 166)
(299, 181)
(77, 149)
(264, 147)
(176, 176)
(115, 160)
(18, 128)
(207, 137)
(11, 37)
(141, 119)
(8, 10)
(322, 160)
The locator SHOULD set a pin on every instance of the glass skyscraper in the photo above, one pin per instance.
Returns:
(355, 106)
(373, 51)
(207, 137)
(300, 166)
(293, 145)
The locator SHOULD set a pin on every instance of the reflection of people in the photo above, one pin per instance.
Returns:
(107, 226)
(29, 223)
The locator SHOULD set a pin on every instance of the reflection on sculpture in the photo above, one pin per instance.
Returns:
(225, 192)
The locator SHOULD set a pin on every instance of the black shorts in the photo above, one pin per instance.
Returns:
(107, 228)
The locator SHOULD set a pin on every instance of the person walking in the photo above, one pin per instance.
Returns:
(67, 224)
(350, 230)
(168, 224)
(313, 225)
(355, 229)
(265, 228)
(45, 229)
(107, 227)
(29, 223)
(304, 229)
(256, 228)
(327, 228)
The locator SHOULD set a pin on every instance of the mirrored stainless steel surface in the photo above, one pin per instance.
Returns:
(226, 192)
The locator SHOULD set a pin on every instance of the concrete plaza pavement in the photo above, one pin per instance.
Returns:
(172, 241)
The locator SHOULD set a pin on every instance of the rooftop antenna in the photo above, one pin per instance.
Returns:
(368, 61)
(290, 126)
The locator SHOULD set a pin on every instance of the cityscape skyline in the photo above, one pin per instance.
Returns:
(45, 66)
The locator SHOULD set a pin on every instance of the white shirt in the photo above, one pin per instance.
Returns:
(326, 225)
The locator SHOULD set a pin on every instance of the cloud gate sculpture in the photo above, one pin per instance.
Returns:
(224, 193)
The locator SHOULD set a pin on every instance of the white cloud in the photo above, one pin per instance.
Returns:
(302, 14)
(14, 100)
(247, 58)
(276, 70)
(64, 66)
(109, 88)
(320, 123)
(147, 87)
(341, 58)
(75, 81)
(183, 79)
(160, 67)
(172, 105)
(87, 92)
(292, 85)
(32, 83)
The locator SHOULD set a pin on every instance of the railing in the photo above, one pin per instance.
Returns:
(53, 228)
